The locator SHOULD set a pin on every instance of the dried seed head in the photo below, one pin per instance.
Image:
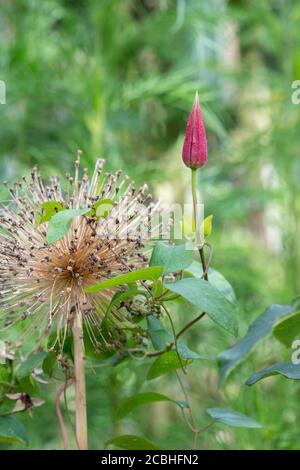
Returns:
(44, 285)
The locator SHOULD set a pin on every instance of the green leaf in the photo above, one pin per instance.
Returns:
(287, 329)
(143, 274)
(12, 431)
(130, 442)
(215, 278)
(158, 334)
(207, 225)
(260, 328)
(208, 299)
(60, 223)
(49, 363)
(101, 208)
(157, 288)
(287, 369)
(173, 258)
(143, 399)
(31, 363)
(167, 362)
(47, 210)
(232, 418)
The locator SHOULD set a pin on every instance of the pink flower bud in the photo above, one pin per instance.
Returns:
(194, 150)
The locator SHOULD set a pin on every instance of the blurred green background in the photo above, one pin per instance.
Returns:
(116, 78)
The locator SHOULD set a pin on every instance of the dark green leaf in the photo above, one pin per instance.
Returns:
(143, 399)
(139, 275)
(287, 369)
(60, 223)
(130, 442)
(173, 258)
(232, 418)
(208, 299)
(158, 334)
(287, 329)
(12, 431)
(49, 363)
(167, 362)
(260, 328)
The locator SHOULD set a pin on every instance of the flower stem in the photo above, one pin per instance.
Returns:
(80, 392)
(196, 224)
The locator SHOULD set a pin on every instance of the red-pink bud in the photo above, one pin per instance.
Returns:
(194, 150)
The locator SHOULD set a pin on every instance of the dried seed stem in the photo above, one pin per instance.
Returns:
(80, 392)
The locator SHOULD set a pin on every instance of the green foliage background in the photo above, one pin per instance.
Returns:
(116, 78)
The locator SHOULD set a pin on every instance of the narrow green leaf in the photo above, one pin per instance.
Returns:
(143, 399)
(167, 362)
(232, 418)
(287, 329)
(60, 223)
(173, 258)
(260, 328)
(31, 363)
(12, 431)
(47, 210)
(286, 369)
(143, 274)
(208, 299)
(131, 442)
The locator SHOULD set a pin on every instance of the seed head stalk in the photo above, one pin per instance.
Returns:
(80, 389)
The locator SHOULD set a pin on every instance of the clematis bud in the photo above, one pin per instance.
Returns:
(194, 150)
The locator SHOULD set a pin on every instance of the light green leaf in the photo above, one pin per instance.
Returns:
(287, 329)
(131, 442)
(260, 328)
(47, 210)
(215, 278)
(12, 431)
(102, 208)
(208, 299)
(143, 274)
(167, 362)
(173, 258)
(207, 225)
(232, 418)
(60, 223)
(287, 369)
(144, 399)
(31, 363)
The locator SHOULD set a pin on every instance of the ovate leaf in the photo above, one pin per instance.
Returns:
(167, 362)
(207, 225)
(143, 274)
(215, 278)
(286, 369)
(12, 431)
(173, 258)
(208, 299)
(60, 223)
(232, 418)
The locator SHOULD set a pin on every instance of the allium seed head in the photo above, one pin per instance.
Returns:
(42, 284)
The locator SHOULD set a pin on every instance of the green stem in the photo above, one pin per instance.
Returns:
(196, 224)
